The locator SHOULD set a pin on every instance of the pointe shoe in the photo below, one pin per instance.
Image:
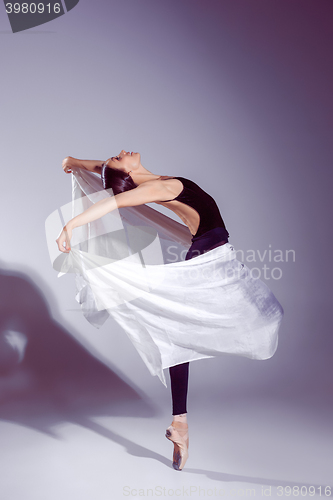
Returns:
(177, 432)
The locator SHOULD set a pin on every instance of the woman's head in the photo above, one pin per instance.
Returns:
(117, 180)
(116, 172)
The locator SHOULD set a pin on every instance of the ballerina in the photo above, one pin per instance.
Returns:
(134, 185)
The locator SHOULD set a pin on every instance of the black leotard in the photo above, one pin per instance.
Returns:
(203, 203)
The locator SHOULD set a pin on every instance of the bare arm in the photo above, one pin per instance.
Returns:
(147, 192)
(92, 165)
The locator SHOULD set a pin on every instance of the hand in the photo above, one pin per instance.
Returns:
(66, 164)
(64, 237)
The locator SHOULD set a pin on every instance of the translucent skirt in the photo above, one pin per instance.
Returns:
(193, 309)
(204, 306)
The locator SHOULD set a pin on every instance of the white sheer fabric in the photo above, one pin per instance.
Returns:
(172, 310)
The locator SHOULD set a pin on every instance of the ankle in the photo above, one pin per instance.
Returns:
(182, 418)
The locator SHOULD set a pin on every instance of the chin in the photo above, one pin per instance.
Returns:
(137, 156)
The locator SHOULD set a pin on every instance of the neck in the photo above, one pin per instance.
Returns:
(141, 174)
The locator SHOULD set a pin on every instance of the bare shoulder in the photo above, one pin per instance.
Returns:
(149, 191)
(167, 186)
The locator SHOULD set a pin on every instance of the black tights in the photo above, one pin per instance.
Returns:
(179, 384)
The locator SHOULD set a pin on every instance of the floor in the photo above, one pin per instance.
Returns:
(241, 447)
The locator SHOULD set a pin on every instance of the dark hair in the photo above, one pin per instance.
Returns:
(116, 179)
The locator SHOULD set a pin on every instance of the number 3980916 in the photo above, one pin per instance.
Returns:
(32, 8)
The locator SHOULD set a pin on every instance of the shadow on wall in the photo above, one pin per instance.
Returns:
(46, 376)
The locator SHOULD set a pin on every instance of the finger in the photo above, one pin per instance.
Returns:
(63, 248)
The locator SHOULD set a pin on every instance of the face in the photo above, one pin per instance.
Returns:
(125, 161)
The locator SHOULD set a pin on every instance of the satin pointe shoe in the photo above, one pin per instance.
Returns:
(177, 432)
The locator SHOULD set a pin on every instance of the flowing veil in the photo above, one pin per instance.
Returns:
(130, 265)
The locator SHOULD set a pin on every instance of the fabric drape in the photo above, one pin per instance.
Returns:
(130, 265)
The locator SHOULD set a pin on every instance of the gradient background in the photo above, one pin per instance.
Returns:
(237, 96)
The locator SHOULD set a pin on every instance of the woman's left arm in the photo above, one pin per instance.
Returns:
(147, 192)
(91, 165)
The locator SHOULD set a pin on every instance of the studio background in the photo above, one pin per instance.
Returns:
(234, 95)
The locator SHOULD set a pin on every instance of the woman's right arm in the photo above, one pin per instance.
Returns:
(92, 165)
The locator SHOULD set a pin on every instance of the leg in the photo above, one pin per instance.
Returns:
(178, 430)
(179, 385)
